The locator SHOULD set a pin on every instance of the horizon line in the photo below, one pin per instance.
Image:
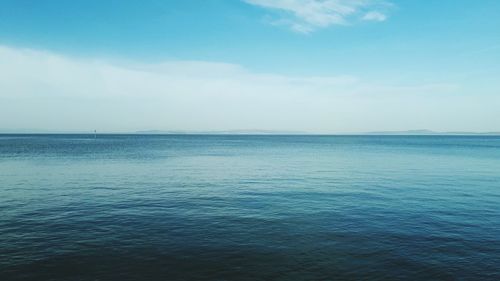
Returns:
(247, 132)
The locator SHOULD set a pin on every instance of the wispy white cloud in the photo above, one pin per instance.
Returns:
(43, 90)
(374, 16)
(305, 16)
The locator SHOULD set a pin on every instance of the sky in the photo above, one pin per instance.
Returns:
(315, 66)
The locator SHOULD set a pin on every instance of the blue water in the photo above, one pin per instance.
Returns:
(187, 207)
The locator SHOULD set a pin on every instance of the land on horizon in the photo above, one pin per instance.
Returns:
(249, 132)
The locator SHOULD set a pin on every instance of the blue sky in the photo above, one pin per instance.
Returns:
(328, 66)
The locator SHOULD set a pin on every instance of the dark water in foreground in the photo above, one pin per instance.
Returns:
(249, 208)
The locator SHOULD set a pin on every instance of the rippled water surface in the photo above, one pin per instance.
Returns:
(187, 207)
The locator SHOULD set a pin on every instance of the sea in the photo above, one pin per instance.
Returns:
(249, 207)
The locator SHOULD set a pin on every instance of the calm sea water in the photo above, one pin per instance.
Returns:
(187, 207)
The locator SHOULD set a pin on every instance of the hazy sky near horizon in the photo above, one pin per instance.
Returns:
(324, 66)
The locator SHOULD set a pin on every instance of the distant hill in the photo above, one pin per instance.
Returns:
(429, 132)
(227, 132)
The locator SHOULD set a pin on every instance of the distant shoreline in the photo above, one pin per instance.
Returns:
(259, 133)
